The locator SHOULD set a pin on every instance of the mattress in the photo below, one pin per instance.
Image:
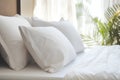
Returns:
(98, 63)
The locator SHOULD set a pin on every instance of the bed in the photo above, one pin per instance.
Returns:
(98, 63)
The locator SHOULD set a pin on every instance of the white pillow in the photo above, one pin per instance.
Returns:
(14, 53)
(50, 49)
(66, 28)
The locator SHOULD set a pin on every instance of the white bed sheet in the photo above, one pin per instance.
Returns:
(99, 63)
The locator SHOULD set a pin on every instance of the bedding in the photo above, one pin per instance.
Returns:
(65, 27)
(98, 63)
(13, 50)
(50, 49)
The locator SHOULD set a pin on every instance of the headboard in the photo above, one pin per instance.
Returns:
(9, 7)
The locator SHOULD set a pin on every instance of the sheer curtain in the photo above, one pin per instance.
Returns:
(112, 2)
(98, 7)
(54, 10)
(95, 8)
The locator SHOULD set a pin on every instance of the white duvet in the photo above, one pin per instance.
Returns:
(98, 63)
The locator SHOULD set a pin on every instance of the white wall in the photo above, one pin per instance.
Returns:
(27, 7)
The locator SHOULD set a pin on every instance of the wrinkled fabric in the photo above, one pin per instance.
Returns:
(101, 63)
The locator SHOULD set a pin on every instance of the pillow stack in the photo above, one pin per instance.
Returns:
(66, 28)
(50, 49)
(52, 45)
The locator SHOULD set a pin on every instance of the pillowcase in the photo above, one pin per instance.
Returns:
(66, 28)
(14, 53)
(50, 49)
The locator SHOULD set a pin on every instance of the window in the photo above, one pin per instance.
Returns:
(85, 9)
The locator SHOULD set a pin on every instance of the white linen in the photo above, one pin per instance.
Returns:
(99, 63)
(14, 51)
(66, 28)
(50, 49)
